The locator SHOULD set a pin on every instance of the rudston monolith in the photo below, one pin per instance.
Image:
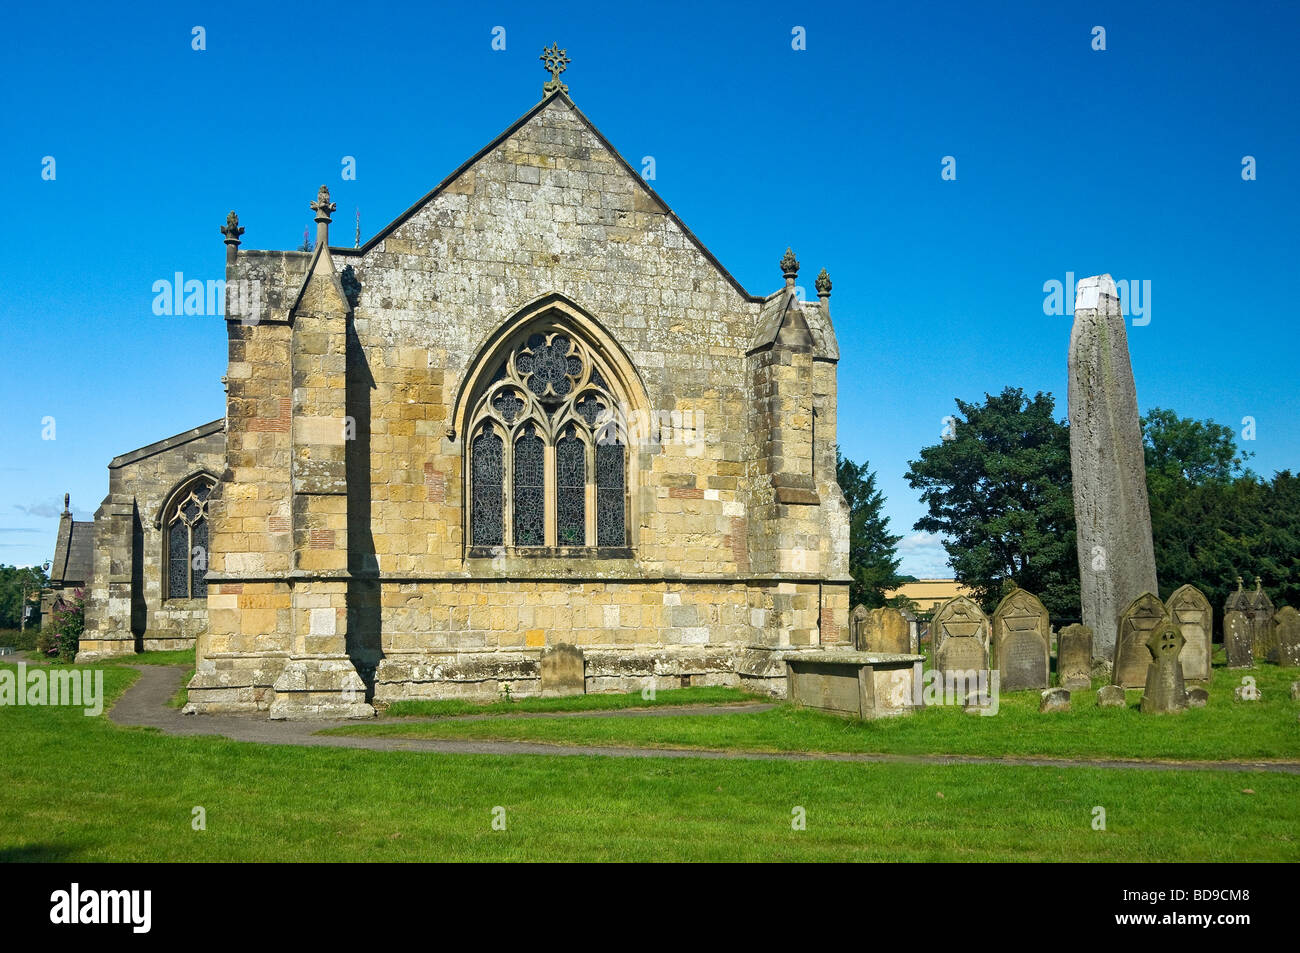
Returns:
(1116, 557)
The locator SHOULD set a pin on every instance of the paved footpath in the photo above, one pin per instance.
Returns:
(145, 704)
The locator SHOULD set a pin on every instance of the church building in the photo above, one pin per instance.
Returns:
(533, 418)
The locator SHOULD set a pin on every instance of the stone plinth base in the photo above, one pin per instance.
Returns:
(857, 684)
(223, 684)
(98, 649)
(483, 676)
(320, 687)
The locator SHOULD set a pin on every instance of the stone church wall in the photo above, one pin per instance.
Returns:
(549, 222)
(125, 609)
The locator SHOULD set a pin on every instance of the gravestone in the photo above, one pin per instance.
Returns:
(1261, 622)
(1237, 635)
(1074, 657)
(1165, 690)
(1143, 615)
(857, 624)
(1022, 642)
(1111, 696)
(1236, 640)
(563, 671)
(1116, 556)
(885, 631)
(913, 632)
(959, 637)
(1055, 699)
(1286, 635)
(1190, 611)
(1197, 698)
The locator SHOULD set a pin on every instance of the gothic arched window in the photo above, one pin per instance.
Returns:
(547, 462)
(185, 536)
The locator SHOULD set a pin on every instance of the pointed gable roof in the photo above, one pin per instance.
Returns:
(779, 308)
(551, 99)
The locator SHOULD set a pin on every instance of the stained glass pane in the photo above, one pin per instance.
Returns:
(571, 491)
(589, 409)
(610, 528)
(178, 560)
(203, 491)
(508, 404)
(597, 379)
(199, 559)
(486, 525)
(190, 510)
(529, 490)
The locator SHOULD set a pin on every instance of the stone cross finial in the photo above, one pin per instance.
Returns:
(323, 208)
(1239, 584)
(232, 231)
(1259, 584)
(67, 498)
(823, 285)
(789, 267)
(557, 61)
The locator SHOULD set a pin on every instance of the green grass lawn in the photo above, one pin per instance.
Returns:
(83, 789)
(1224, 730)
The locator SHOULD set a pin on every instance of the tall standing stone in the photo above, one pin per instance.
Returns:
(1286, 635)
(1144, 615)
(1164, 690)
(1022, 642)
(1116, 555)
(1191, 612)
(959, 637)
(1074, 657)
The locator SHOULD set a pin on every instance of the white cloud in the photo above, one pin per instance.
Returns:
(923, 556)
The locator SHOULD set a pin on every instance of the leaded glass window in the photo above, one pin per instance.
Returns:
(610, 525)
(571, 489)
(185, 525)
(532, 467)
(486, 474)
(530, 489)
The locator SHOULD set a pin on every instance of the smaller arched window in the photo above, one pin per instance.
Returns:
(185, 540)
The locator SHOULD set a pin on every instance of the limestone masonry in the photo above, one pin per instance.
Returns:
(533, 411)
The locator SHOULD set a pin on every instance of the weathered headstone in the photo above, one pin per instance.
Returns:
(1286, 635)
(563, 671)
(1143, 615)
(1197, 698)
(1237, 636)
(959, 637)
(1055, 699)
(1116, 555)
(1165, 690)
(1111, 696)
(1022, 642)
(886, 632)
(857, 624)
(1074, 657)
(1261, 622)
(1190, 611)
(913, 632)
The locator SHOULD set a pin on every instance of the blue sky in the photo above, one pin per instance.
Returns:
(1126, 160)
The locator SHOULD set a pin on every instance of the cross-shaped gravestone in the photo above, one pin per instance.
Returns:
(1165, 690)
